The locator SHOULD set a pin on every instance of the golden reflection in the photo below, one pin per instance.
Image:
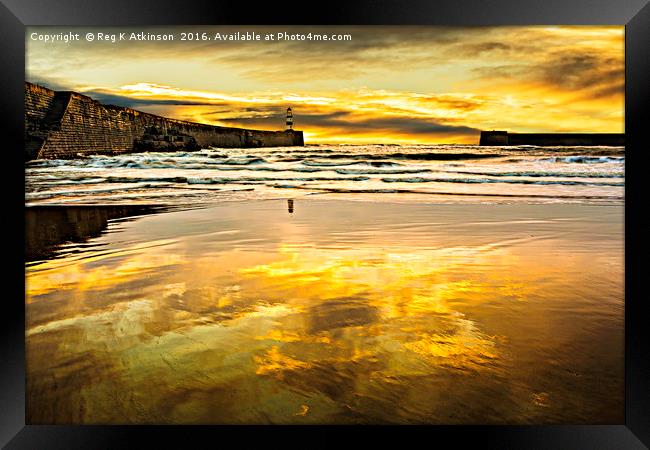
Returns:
(467, 348)
(274, 361)
(68, 275)
(304, 409)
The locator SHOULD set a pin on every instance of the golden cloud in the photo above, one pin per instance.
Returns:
(387, 84)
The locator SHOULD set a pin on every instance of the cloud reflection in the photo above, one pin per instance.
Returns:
(382, 331)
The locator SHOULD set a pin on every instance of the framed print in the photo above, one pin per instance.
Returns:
(385, 219)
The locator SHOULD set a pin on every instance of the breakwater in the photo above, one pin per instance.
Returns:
(551, 139)
(66, 124)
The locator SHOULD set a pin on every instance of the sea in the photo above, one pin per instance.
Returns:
(443, 173)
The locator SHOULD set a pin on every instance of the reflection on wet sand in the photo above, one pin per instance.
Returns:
(347, 313)
(48, 226)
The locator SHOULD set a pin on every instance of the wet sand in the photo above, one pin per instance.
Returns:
(49, 226)
(334, 311)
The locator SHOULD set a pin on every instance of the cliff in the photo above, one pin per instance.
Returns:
(498, 138)
(65, 124)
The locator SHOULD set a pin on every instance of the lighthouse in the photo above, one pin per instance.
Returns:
(289, 119)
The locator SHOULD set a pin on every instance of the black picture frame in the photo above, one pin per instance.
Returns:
(15, 15)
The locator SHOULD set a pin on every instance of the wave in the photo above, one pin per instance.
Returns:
(354, 169)
(488, 180)
(146, 180)
(268, 169)
(156, 181)
(545, 174)
(380, 172)
(308, 151)
(469, 194)
(220, 180)
(350, 163)
(247, 161)
(584, 159)
(442, 156)
(147, 163)
(426, 156)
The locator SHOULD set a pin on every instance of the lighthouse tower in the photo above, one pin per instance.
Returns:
(289, 119)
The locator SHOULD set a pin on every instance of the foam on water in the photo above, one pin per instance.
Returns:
(570, 173)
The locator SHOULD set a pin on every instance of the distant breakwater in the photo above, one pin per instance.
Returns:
(498, 138)
(66, 125)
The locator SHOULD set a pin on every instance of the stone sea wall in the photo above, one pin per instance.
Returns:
(64, 124)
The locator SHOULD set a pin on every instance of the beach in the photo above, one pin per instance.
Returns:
(337, 307)
(326, 225)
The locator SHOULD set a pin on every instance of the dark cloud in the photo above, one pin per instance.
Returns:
(510, 71)
(346, 122)
(483, 47)
(501, 51)
(411, 46)
(54, 84)
(588, 71)
(479, 48)
(131, 102)
(250, 112)
(455, 103)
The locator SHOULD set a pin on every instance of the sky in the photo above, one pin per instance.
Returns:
(405, 85)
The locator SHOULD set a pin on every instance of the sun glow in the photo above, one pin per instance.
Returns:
(387, 85)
